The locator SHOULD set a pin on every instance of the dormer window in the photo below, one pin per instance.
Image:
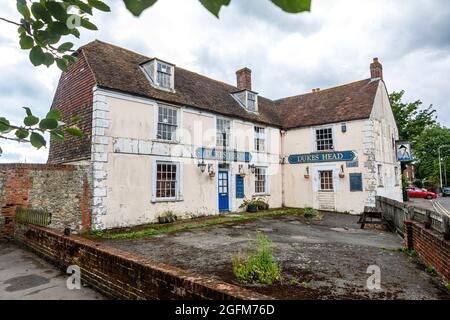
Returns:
(247, 99)
(251, 101)
(161, 74)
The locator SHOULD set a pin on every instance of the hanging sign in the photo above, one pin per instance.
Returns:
(322, 157)
(226, 155)
(403, 150)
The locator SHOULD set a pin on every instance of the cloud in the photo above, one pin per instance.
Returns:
(288, 53)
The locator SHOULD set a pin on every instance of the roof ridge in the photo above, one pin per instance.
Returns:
(322, 90)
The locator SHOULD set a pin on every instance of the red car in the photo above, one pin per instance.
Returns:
(421, 193)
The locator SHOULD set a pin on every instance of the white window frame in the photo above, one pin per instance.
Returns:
(228, 145)
(176, 137)
(179, 180)
(332, 180)
(162, 65)
(266, 181)
(257, 135)
(150, 70)
(331, 128)
(255, 101)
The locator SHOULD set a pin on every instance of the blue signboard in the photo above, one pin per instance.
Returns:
(226, 155)
(322, 157)
(352, 164)
(239, 187)
(403, 149)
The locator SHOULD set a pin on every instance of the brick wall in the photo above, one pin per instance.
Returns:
(62, 190)
(430, 245)
(74, 97)
(120, 275)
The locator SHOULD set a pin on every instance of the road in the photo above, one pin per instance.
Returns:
(442, 205)
(25, 276)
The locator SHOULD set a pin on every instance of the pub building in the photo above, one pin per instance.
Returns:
(162, 138)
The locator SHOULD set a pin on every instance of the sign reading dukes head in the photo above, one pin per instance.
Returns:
(322, 157)
(227, 155)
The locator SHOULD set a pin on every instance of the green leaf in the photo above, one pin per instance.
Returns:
(22, 133)
(49, 59)
(293, 6)
(37, 56)
(87, 24)
(28, 111)
(59, 28)
(74, 131)
(62, 64)
(82, 6)
(58, 135)
(99, 5)
(40, 12)
(4, 125)
(65, 47)
(75, 118)
(23, 9)
(57, 10)
(214, 6)
(54, 114)
(36, 25)
(75, 32)
(48, 124)
(31, 120)
(26, 42)
(37, 140)
(137, 6)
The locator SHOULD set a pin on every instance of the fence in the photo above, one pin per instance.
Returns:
(395, 213)
(33, 216)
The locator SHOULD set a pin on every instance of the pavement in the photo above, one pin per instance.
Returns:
(326, 259)
(25, 276)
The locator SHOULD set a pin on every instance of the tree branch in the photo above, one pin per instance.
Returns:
(9, 21)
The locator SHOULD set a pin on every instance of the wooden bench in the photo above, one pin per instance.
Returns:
(371, 215)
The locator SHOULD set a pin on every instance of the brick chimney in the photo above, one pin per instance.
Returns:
(244, 79)
(376, 69)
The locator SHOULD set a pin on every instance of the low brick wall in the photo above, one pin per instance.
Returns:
(62, 190)
(121, 275)
(430, 245)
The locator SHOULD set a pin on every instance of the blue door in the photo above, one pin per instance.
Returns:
(223, 191)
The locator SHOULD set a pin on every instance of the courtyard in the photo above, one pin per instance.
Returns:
(324, 258)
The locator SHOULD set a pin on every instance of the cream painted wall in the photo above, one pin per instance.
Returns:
(132, 151)
(371, 139)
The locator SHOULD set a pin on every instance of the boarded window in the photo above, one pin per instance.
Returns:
(356, 182)
(239, 187)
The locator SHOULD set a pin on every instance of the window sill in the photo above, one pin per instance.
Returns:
(264, 194)
(166, 141)
(167, 200)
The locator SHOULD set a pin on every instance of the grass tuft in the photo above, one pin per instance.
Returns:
(259, 267)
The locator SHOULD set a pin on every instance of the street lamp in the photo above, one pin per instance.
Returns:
(440, 163)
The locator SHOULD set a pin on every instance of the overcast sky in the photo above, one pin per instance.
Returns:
(289, 54)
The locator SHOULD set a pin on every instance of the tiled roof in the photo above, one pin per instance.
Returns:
(351, 101)
(118, 69)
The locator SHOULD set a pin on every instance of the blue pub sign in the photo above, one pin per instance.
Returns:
(322, 157)
(225, 155)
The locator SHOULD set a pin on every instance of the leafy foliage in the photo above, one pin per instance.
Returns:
(411, 118)
(33, 128)
(425, 152)
(259, 267)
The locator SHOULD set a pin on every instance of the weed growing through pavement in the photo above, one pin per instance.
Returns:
(259, 267)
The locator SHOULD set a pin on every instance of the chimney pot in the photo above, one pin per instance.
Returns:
(376, 69)
(244, 79)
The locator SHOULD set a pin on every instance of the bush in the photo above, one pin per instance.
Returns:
(310, 212)
(258, 267)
